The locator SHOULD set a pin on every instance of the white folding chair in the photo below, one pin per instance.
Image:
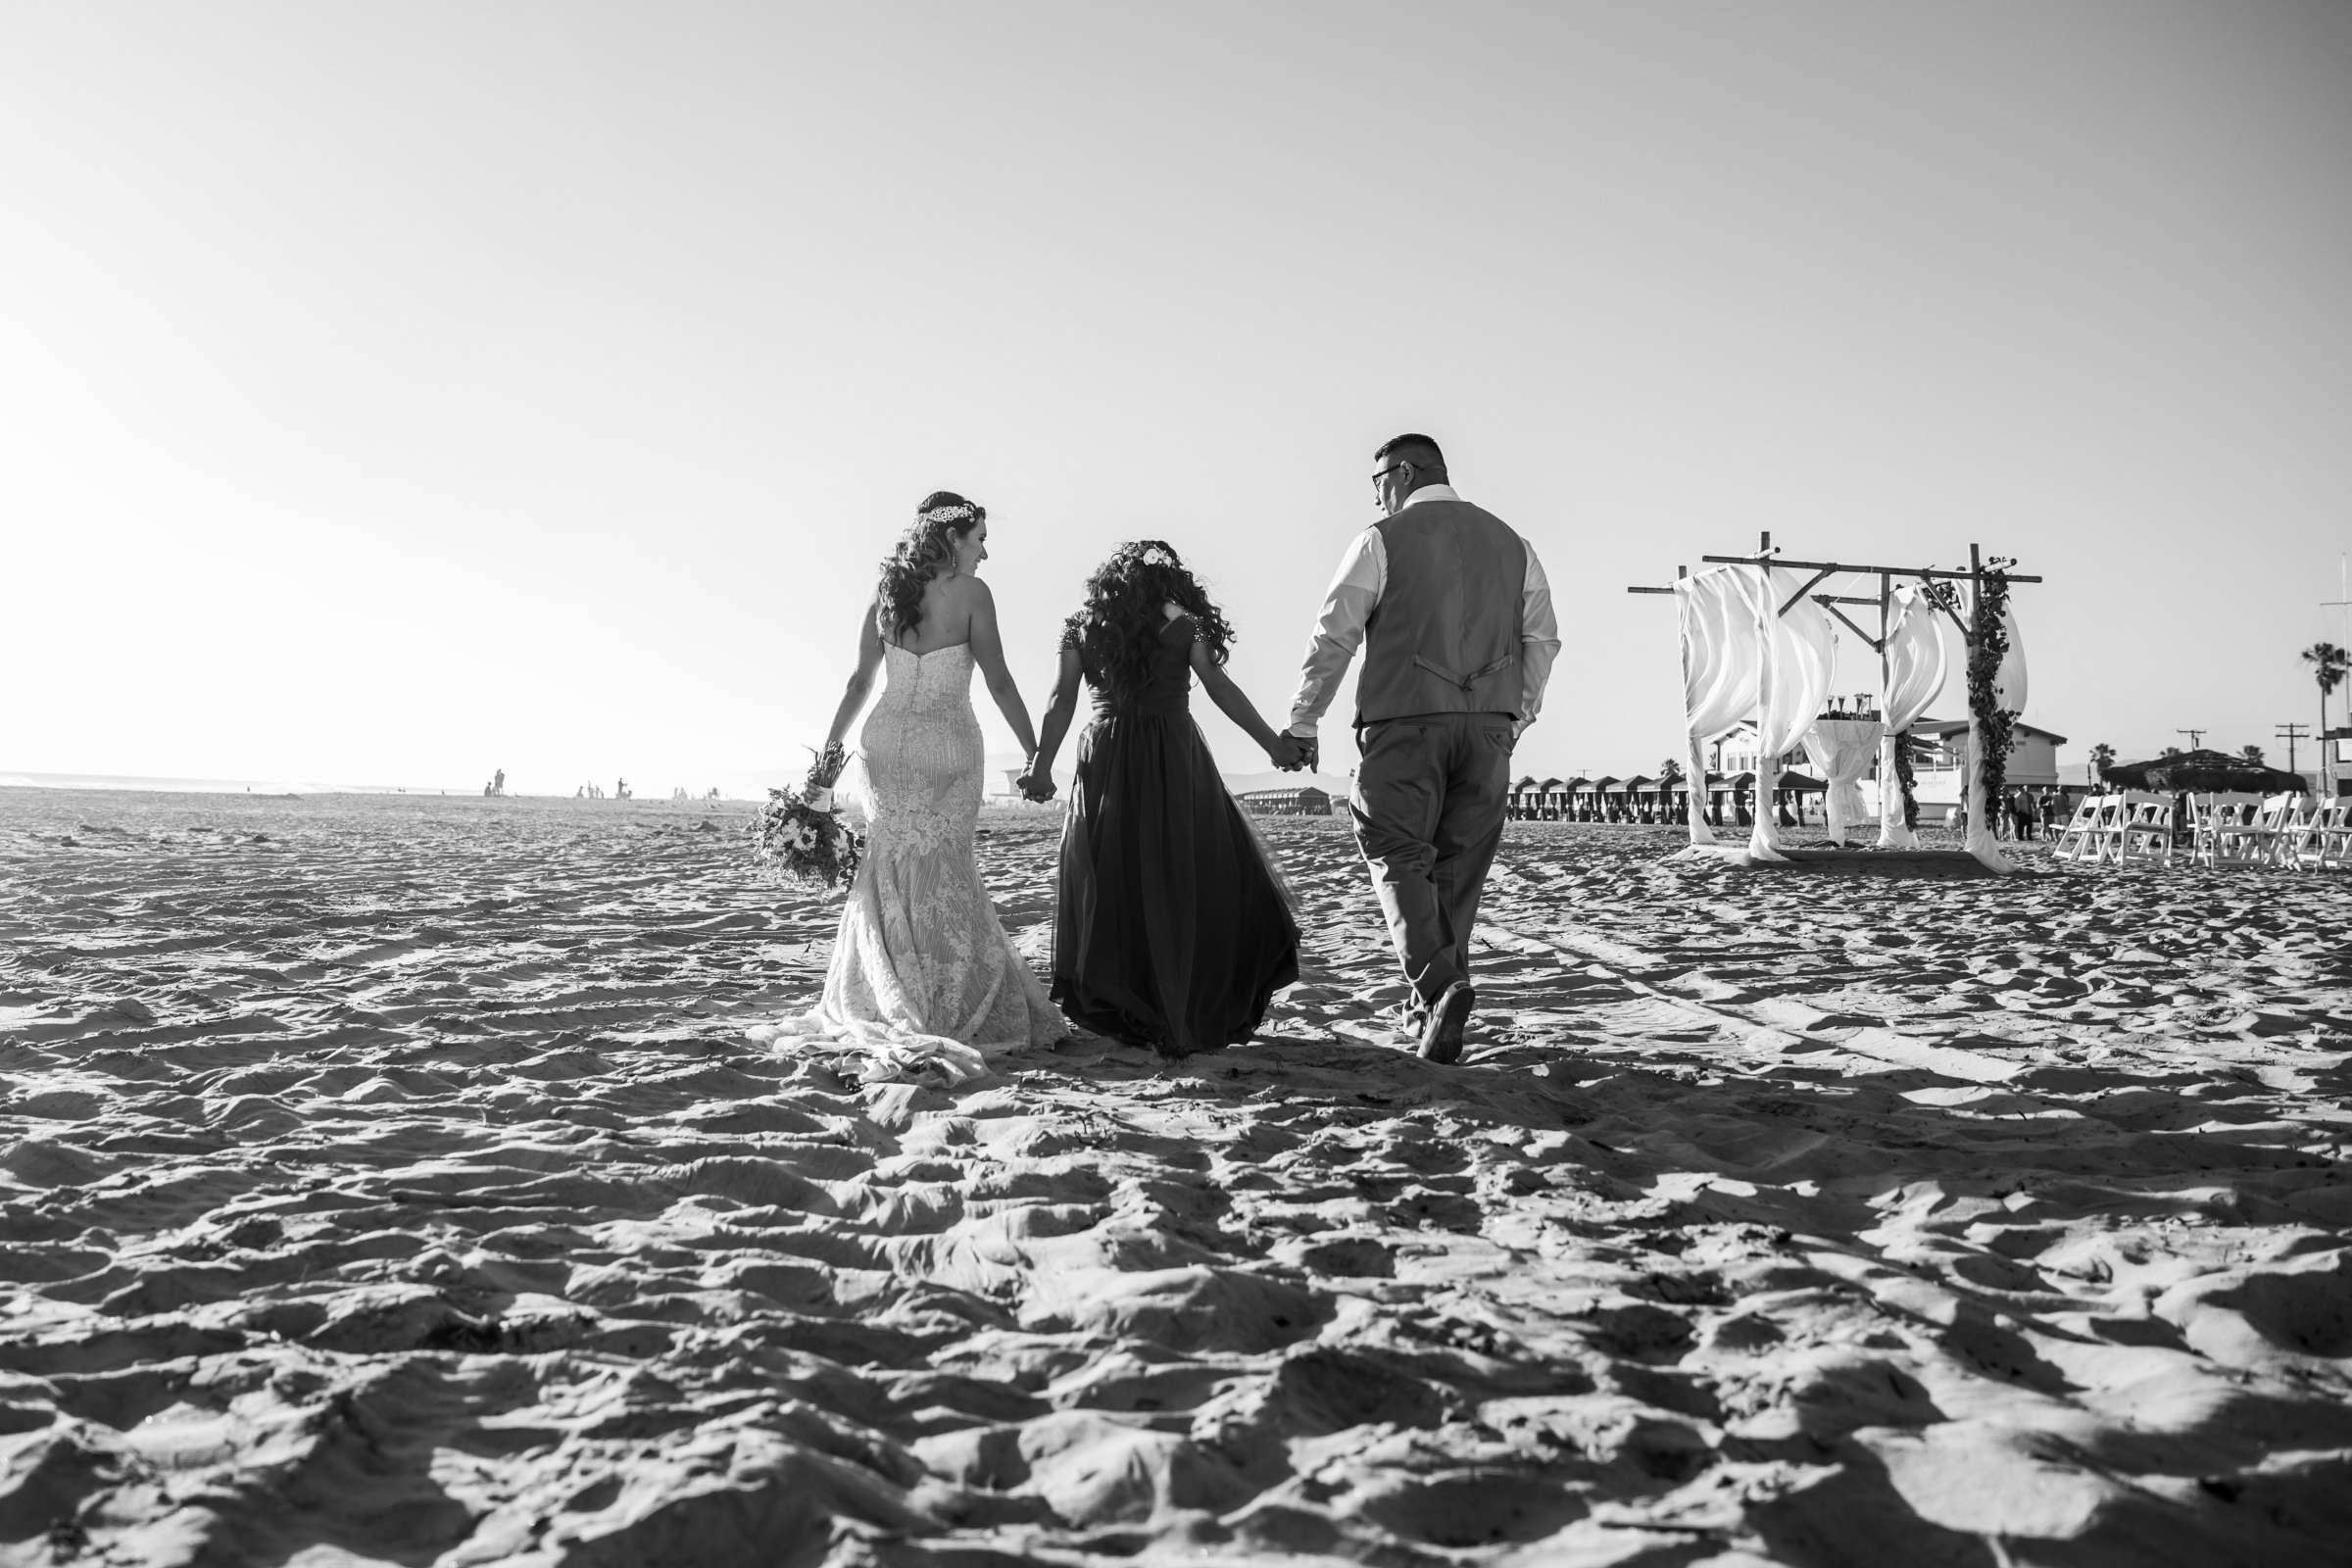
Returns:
(2112, 817)
(2298, 836)
(2142, 831)
(2079, 840)
(2207, 818)
(2234, 829)
(2322, 839)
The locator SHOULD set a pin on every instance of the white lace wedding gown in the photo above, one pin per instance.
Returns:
(922, 976)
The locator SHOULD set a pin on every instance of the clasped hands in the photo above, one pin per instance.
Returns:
(1292, 753)
(1035, 783)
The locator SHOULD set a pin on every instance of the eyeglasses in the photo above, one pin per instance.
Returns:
(1385, 472)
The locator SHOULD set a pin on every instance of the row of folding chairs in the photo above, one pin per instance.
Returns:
(2298, 832)
(2119, 829)
(2293, 832)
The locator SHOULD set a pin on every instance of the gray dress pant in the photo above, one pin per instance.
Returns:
(1428, 808)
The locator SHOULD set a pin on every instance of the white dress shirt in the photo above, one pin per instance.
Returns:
(1348, 605)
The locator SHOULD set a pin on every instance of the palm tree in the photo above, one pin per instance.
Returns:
(2252, 754)
(2102, 757)
(2329, 663)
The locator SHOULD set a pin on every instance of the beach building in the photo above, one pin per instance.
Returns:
(1940, 766)
(1590, 803)
(1666, 799)
(1943, 748)
(1538, 800)
(1304, 801)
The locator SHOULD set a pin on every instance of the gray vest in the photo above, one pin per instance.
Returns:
(1445, 636)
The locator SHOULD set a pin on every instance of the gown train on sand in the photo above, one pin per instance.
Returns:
(922, 974)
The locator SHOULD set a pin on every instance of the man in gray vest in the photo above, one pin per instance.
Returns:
(1456, 619)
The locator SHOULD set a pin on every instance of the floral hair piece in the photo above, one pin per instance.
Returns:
(960, 513)
(1157, 557)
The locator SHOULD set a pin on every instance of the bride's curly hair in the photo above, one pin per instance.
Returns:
(941, 520)
(1117, 628)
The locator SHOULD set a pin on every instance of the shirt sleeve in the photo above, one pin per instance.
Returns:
(1539, 638)
(1347, 606)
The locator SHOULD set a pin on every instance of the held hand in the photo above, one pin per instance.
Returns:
(1035, 787)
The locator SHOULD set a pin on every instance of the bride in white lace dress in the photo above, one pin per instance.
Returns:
(922, 976)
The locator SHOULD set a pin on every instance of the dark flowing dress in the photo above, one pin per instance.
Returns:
(1172, 926)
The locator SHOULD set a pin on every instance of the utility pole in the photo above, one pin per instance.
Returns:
(2194, 736)
(2291, 733)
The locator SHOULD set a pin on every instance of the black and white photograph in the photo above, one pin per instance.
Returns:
(951, 785)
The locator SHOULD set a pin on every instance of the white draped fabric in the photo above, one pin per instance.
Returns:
(1981, 841)
(1913, 667)
(1719, 662)
(2009, 683)
(1792, 680)
(1840, 750)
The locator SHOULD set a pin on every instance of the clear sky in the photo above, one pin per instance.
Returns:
(389, 393)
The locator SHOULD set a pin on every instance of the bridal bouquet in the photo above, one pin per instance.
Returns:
(800, 834)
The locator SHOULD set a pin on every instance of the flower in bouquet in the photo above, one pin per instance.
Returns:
(800, 834)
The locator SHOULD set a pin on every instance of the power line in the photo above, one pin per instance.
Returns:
(2194, 736)
(2291, 733)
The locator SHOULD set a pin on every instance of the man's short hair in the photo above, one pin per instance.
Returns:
(1418, 450)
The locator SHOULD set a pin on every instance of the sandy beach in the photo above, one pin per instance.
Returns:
(387, 1181)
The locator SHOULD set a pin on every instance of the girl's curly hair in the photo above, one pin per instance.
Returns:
(1120, 623)
(941, 520)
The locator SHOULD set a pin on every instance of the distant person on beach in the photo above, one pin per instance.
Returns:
(922, 971)
(1171, 927)
(1454, 616)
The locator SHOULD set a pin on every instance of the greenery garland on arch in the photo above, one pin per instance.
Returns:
(1987, 647)
(1905, 776)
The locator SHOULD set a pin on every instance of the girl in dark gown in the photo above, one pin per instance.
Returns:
(1171, 926)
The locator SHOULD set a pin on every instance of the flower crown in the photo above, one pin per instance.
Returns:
(1155, 556)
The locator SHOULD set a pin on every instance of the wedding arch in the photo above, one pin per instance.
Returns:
(1757, 647)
